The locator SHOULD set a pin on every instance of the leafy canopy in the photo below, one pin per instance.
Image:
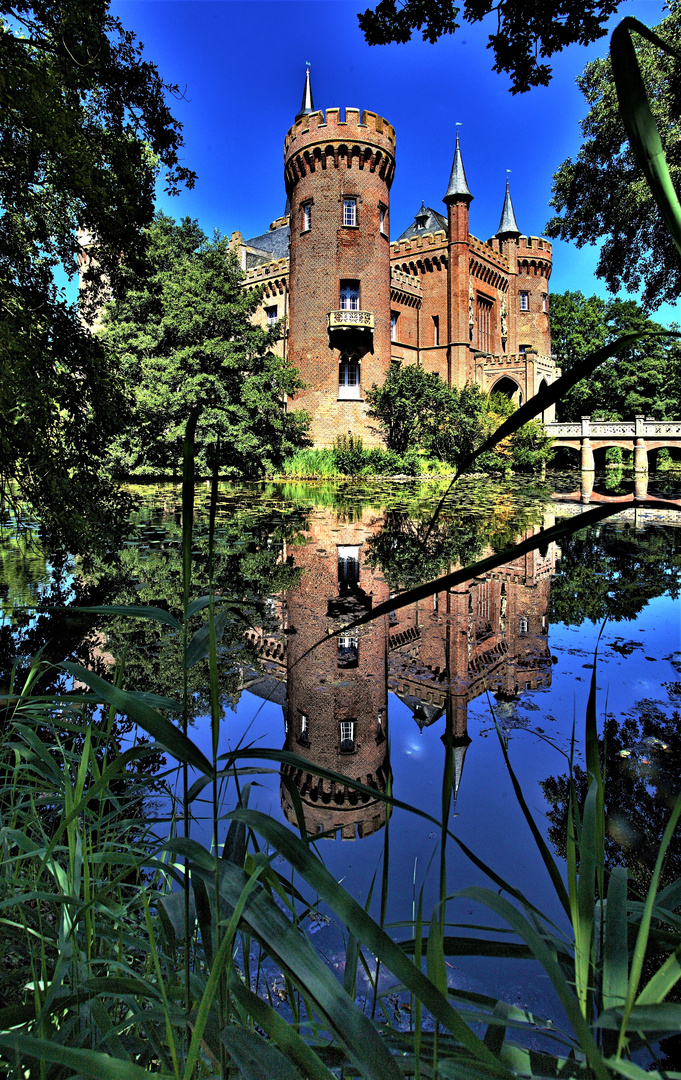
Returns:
(184, 340)
(525, 30)
(602, 196)
(84, 130)
(643, 380)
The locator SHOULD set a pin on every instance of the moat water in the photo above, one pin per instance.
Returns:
(502, 653)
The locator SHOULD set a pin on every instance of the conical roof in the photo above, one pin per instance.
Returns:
(508, 225)
(307, 105)
(458, 185)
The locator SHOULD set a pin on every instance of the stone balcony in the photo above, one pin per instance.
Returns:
(352, 320)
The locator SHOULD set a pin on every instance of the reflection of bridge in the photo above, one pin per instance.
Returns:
(640, 435)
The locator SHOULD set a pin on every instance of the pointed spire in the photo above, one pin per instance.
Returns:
(458, 186)
(508, 226)
(307, 105)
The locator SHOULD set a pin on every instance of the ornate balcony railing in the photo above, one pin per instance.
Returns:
(339, 320)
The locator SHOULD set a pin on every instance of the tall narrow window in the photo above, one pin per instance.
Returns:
(394, 316)
(271, 313)
(348, 379)
(348, 649)
(436, 329)
(306, 223)
(349, 295)
(349, 211)
(348, 568)
(524, 301)
(347, 736)
(522, 624)
(484, 324)
(544, 302)
(383, 214)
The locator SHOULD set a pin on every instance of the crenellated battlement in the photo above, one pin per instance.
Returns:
(417, 243)
(258, 274)
(317, 127)
(486, 251)
(405, 282)
(537, 245)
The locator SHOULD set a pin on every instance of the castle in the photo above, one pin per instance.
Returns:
(350, 302)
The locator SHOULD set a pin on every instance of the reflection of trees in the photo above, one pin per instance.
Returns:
(411, 548)
(613, 572)
(640, 792)
(249, 566)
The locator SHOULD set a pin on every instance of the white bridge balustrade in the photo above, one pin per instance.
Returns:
(640, 435)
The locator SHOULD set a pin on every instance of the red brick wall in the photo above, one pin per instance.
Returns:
(325, 160)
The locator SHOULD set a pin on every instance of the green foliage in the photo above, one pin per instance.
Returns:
(530, 447)
(602, 196)
(184, 340)
(415, 408)
(84, 129)
(609, 573)
(524, 31)
(644, 379)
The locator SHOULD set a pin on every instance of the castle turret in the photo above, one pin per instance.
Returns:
(529, 264)
(338, 175)
(459, 296)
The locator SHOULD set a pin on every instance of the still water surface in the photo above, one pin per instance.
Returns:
(511, 648)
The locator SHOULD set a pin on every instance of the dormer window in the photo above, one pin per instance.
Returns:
(422, 217)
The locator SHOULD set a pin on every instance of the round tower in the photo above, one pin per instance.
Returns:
(338, 175)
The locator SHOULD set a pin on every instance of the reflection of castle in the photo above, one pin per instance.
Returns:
(490, 633)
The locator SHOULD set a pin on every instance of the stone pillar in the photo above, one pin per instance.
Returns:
(640, 452)
(586, 453)
(587, 485)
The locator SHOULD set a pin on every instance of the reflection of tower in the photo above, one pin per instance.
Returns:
(337, 708)
(490, 633)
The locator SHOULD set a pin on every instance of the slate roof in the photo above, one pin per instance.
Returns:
(271, 245)
(458, 185)
(508, 225)
(434, 222)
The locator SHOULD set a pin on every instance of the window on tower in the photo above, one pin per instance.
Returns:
(524, 301)
(306, 223)
(272, 314)
(348, 379)
(394, 318)
(347, 736)
(544, 302)
(349, 295)
(349, 211)
(384, 219)
(436, 329)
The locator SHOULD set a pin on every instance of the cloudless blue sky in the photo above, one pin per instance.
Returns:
(240, 67)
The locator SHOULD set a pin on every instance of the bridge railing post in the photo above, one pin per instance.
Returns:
(640, 452)
(586, 451)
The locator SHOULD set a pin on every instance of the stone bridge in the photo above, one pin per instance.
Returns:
(641, 435)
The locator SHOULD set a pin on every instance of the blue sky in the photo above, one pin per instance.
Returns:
(240, 67)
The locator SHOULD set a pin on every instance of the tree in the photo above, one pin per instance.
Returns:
(183, 338)
(602, 195)
(84, 129)
(415, 407)
(525, 29)
(643, 380)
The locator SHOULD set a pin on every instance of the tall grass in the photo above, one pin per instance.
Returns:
(134, 943)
